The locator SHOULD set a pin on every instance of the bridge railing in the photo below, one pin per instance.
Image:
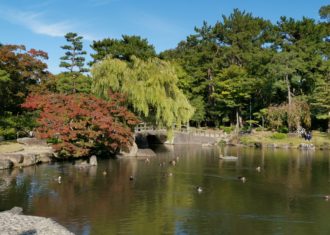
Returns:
(143, 127)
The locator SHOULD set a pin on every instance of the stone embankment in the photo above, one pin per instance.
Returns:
(302, 146)
(12, 222)
(34, 151)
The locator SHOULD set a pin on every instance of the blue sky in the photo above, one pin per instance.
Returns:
(42, 24)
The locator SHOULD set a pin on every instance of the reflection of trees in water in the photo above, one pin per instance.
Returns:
(155, 202)
(17, 187)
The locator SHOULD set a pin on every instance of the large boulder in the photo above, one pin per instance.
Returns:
(6, 164)
(44, 157)
(29, 160)
(16, 210)
(129, 152)
(84, 164)
(13, 222)
(31, 141)
(16, 158)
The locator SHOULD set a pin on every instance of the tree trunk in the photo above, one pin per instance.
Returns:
(211, 86)
(289, 100)
(237, 120)
(288, 87)
(74, 83)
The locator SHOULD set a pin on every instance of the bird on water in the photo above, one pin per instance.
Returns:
(199, 189)
(242, 178)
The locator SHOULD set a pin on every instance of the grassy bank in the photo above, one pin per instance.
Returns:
(9, 147)
(319, 139)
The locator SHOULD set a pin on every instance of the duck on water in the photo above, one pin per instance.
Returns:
(228, 158)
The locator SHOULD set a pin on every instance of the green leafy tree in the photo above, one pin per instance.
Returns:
(233, 91)
(4, 80)
(320, 99)
(324, 12)
(198, 59)
(150, 87)
(241, 35)
(20, 71)
(74, 58)
(295, 67)
(199, 106)
(285, 67)
(237, 40)
(123, 48)
(281, 63)
(63, 83)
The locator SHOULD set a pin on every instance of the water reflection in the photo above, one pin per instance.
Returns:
(285, 197)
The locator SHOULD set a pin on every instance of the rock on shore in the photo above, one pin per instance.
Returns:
(12, 222)
(34, 151)
(306, 146)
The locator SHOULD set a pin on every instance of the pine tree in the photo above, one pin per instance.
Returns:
(122, 49)
(74, 60)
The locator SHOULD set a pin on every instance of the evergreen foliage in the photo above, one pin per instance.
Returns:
(74, 60)
(325, 12)
(122, 49)
(243, 65)
(63, 83)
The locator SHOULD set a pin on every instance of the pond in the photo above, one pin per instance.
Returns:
(285, 197)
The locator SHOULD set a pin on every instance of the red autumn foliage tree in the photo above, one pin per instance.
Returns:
(24, 69)
(81, 125)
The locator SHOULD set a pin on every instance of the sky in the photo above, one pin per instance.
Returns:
(164, 23)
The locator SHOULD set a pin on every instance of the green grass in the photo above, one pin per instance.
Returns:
(319, 139)
(9, 147)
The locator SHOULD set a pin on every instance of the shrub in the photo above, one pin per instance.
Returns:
(279, 136)
(227, 129)
(13, 125)
(8, 133)
(283, 129)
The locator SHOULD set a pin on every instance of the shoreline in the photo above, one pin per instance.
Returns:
(268, 139)
(14, 222)
(31, 151)
(302, 146)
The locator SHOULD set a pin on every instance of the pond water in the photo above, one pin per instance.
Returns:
(285, 197)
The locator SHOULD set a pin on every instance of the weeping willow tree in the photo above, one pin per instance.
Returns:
(150, 87)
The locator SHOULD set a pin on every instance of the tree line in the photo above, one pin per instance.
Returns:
(243, 71)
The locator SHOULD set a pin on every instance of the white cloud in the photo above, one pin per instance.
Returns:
(37, 23)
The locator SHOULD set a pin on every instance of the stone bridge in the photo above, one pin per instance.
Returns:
(146, 135)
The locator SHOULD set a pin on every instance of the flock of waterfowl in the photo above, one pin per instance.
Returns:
(199, 189)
